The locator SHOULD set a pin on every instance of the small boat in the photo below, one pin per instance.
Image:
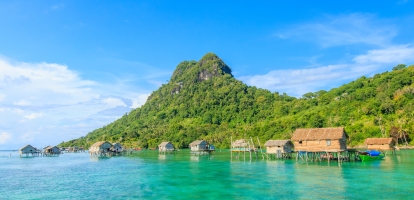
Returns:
(371, 155)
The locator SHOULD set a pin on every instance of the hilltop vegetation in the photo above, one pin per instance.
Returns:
(203, 101)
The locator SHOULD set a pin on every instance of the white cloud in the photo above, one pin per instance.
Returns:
(393, 54)
(22, 103)
(139, 101)
(299, 81)
(113, 102)
(5, 137)
(52, 100)
(33, 116)
(343, 30)
(28, 137)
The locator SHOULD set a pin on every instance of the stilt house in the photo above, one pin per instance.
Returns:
(166, 147)
(51, 151)
(29, 150)
(320, 139)
(199, 145)
(380, 144)
(278, 146)
(240, 145)
(102, 148)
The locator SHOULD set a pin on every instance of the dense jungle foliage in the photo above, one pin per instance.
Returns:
(203, 101)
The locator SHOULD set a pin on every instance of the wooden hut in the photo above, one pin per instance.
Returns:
(279, 148)
(166, 147)
(29, 151)
(320, 142)
(116, 147)
(51, 151)
(102, 148)
(200, 147)
(380, 144)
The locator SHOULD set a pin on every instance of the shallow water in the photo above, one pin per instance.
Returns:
(148, 175)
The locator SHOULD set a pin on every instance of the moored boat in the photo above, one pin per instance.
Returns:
(371, 155)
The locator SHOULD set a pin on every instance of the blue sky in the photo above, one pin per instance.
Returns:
(69, 67)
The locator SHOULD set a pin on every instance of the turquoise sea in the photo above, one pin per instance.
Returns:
(148, 175)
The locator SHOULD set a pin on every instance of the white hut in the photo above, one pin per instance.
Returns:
(29, 150)
(102, 148)
(166, 147)
(116, 147)
(51, 151)
(279, 148)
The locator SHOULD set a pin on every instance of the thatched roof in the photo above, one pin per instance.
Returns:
(378, 141)
(307, 134)
(163, 144)
(98, 144)
(48, 147)
(240, 143)
(196, 142)
(274, 143)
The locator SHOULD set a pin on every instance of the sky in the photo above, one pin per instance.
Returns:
(69, 67)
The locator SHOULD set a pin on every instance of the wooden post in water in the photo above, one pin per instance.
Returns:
(328, 156)
(231, 151)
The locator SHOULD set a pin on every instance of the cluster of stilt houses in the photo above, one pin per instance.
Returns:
(104, 148)
(30, 151)
(309, 144)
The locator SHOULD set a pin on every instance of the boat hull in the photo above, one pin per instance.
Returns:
(368, 157)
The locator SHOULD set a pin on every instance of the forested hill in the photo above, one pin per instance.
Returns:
(203, 101)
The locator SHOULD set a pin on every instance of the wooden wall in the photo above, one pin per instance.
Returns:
(321, 146)
(283, 149)
(380, 147)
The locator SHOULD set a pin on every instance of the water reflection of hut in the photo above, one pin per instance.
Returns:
(51, 151)
(381, 144)
(29, 151)
(166, 147)
(279, 148)
(320, 143)
(201, 147)
(102, 148)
